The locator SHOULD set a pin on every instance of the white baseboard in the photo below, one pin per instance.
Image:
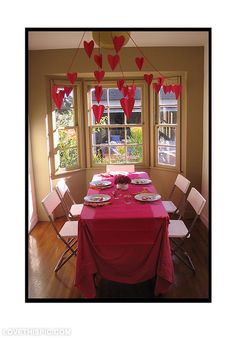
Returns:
(33, 222)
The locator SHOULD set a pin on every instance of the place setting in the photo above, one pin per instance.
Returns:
(100, 185)
(97, 200)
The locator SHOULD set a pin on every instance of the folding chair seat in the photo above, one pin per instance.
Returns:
(72, 209)
(181, 183)
(67, 234)
(130, 168)
(178, 230)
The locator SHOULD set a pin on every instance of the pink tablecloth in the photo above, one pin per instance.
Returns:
(124, 243)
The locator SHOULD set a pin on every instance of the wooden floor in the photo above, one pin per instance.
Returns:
(44, 283)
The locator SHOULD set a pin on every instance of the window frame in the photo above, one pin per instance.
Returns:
(144, 117)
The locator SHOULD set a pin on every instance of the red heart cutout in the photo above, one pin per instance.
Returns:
(72, 77)
(127, 105)
(161, 80)
(156, 87)
(120, 84)
(57, 96)
(139, 62)
(125, 90)
(177, 89)
(148, 78)
(113, 60)
(118, 42)
(98, 60)
(99, 75)
(98, 93)
(131, 90)
(98, 111)
(167, 89)
(88, 47)
(68, 90)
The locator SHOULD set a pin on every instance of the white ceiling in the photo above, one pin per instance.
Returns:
(66, 39)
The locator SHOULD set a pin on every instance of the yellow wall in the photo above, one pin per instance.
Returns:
(56, 62)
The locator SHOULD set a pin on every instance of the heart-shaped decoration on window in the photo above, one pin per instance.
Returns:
(98, 112)
(127, 105)
(88, 47)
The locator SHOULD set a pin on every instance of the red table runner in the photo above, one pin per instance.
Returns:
(126, 243)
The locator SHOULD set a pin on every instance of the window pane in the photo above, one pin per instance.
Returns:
(68, 158)
(67, 138)
(134, 135)
(117, 154)
(99, 135)
(114, 97)
(168, 115)
(100, 154)
(116, 116)
(65, 117)
(103, 97)
(166, 155)
(134, 154)
(117, 135)
(167, 99)
(135, 117)
(167, 136)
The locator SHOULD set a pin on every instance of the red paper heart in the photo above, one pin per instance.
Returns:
(98, 93)
(98, 111)
(120, 84)
(167, 89)
(161, 80)
(99, 75)
(98, 60)
(72, 77)
(118, 42)
(68, 90)
(113, 61)
(131, 90)
(57, 96)
(127, 105)
(156, 87)
(88, 47)
(125, 90)
(139, 62)
(148, 78)
(177, 89)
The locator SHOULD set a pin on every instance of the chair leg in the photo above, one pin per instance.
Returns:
(62, 260)
(189, 264)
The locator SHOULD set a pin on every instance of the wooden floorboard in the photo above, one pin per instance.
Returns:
(45, 250)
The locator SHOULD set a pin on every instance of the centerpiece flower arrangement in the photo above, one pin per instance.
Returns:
(122, 182)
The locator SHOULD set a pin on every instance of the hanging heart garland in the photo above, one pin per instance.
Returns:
(131, 90)
(139, 62)
(88, 47)
(57, 96)
(113, 61)
(156, 87)
(98, 111)
(99, 75)
(177, 89)
(167, 89)
(118, 42)
(98, 60)
(125, 90)
(127, 105)
(72, 77)
(98, 93)
(161, 80)
(68, 90)
(120, 84)
(148, 78)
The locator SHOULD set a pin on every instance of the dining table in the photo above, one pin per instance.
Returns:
(124, 240)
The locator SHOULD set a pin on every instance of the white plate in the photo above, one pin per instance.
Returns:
(96, 198)
(141, 181)
(100, 183)
(147, 197)
(114, 173)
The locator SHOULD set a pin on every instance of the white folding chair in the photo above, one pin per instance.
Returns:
(72, 210)
(130, 168)
(67, 234)
(178, 230)
(182, 183)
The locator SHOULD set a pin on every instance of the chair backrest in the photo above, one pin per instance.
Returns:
(196, 200)
(62, 188)
(120, 167)
(50, 202)
(182, 183)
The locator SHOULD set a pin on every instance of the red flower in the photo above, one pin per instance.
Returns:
(122, 179)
